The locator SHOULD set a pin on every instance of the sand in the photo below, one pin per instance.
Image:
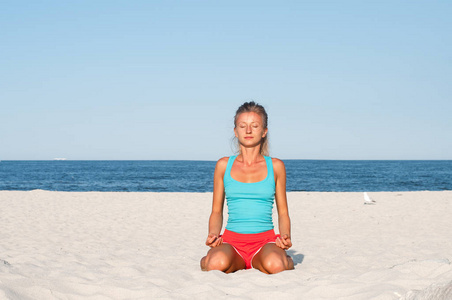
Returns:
(97, 245)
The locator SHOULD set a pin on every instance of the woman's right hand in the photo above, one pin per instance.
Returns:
(213, 240)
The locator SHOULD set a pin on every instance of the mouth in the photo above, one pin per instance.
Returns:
(248, 137)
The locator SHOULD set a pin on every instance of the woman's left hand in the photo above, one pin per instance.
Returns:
(283, 242)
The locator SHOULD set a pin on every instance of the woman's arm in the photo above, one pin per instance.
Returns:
(284, 241)
(216, 216)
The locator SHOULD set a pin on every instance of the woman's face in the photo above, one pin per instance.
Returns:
(249, 129)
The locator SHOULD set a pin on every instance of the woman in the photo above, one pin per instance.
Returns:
(250, 182)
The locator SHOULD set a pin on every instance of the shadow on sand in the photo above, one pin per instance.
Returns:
(296, 257)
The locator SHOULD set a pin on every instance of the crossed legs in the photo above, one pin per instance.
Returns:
(270, 259)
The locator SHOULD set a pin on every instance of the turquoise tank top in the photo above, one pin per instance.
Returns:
(250, 205)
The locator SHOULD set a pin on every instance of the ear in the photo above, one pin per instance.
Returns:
(265, 132)
(235, 132)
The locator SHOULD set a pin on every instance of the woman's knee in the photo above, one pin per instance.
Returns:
(275, 263)
(216, 261)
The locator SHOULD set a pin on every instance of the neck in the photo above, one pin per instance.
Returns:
(250, 155)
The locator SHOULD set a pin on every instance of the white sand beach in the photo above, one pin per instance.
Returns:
(98, 245)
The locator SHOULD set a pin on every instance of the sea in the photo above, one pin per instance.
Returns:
(197, 176)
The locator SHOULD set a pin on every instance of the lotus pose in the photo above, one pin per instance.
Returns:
(250, 182)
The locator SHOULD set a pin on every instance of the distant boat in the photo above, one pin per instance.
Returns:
(58, 158)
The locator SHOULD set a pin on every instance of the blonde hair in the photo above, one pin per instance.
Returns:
(260, 110)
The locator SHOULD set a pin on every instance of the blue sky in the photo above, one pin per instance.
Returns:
(162, 79)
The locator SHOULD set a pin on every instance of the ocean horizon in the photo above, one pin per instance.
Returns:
(197, 175)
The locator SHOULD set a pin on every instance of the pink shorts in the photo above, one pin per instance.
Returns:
(248, 245)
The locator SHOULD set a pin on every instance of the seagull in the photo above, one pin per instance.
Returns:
(368, 200)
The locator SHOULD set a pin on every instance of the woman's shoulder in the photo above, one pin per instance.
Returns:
(223, 160)
(222, 163)
(278, 165)
(277, 161)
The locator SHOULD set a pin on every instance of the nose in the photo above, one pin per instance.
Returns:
(248, 129)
